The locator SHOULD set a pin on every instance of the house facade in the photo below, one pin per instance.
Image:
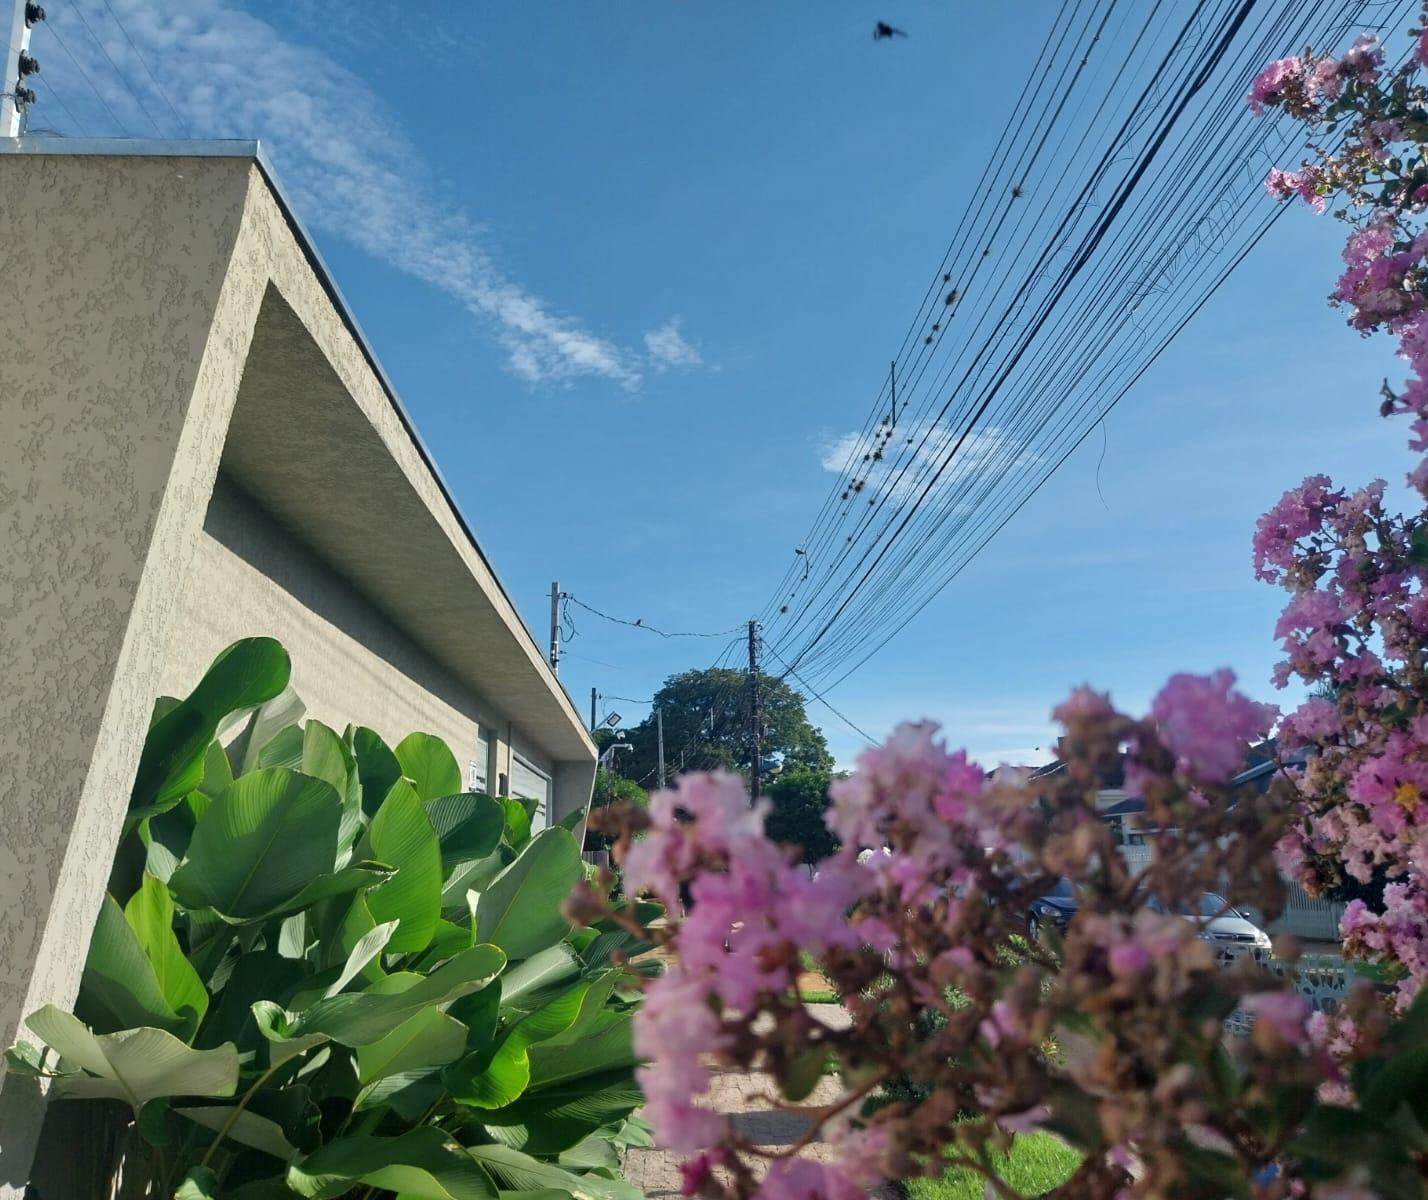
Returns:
(200, 445)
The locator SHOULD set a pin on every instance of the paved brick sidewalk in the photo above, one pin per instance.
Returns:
(750, 1101)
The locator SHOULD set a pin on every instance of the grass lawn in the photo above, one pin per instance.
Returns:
(819, 996)
(1038, 1162)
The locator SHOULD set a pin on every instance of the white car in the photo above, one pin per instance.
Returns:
(1232, 934)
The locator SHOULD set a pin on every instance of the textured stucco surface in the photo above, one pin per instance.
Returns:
(146, 281)
(105, 466)
(350, 664)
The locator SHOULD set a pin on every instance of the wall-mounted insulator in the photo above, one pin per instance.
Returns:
(28, 64)
(23, 96)
(34, 14)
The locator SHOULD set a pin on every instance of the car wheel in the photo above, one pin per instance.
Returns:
(1033, 929)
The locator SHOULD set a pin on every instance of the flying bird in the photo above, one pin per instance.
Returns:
(883, 30)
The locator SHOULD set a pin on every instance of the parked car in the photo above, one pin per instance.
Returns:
(1232, 933)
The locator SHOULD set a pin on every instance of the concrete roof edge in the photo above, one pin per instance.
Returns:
(252, 150)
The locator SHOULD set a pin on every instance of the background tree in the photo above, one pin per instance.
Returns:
(706, 727)
(799, 798)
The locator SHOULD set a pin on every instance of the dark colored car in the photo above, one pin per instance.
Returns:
(1054, 910)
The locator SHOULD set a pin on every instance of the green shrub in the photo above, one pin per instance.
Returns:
(323, 968)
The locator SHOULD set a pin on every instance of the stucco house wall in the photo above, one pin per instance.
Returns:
(177, 345)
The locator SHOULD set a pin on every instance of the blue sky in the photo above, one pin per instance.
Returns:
(634, 269)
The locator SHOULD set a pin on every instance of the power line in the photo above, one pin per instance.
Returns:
(158, 87)
(817, 695)
(639, 622)
(1069, 335)
(120, 75)
(78, 66)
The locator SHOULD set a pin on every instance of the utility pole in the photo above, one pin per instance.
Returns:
(18, 66)
(594, 696)
(756, 715)
(555, 628)
(659, 728)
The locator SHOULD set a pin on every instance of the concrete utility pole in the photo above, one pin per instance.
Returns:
(594, 696)
(659, 728)
(555, 627)
(18, 66)
(756, 715)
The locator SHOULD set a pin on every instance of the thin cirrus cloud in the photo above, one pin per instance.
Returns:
(915, 454)
(667, 348)
(348, 168)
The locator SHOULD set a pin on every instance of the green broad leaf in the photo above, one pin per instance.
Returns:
(377, 767)
(201, 1183)
(283, 749)
(258, 975)
(518, 822)
(608, 1046)
(261, 844)
(804, 1072)
(357, 923)
(424, 1164)
(119, 988)
(491, 1078)
(247, 673)
(468, 826)
(401, 835)
(572, 1109)
(522, 910)
(608, 944)
(449, 938)
(326, 756)
(597, 994)
(428, 1040)
(364, 951)
(135, 1065)
(593, 1153)
(263, 724)
(428, 762)
(525, 985)
(150, 914)
(293, 936)
(1402, 1080)
(361, 1018)
(217, 776)
(246, 1127)
(520, 1172)
(480, 1012)
(474, 875)
(278, 1026)
(25, 1058)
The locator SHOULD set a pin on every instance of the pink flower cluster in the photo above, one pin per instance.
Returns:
(1398, 934)
(1208, 725)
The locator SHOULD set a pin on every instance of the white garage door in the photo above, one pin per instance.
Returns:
(529, 782)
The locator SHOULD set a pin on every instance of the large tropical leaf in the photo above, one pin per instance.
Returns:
(401, 835)
(521, 911)
(283, 711)
(525, 985)
(424, 1164)
(468, 826)
(428, 762)
(495, 1076)
(150, 914)
(246, 674)
(377, 767)
(135, 1065)
(607, 1046)
(260, 844)
(361, 1018)
(120, 988)
(521, 1172)
(427, 1040)
(246, 1127)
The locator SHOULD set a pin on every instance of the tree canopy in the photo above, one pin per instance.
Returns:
(706, 727)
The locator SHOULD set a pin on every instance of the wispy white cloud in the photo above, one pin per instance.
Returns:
(902, 465)
(338, 147)
(667, 347)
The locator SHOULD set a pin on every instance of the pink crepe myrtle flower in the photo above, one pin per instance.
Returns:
(1281, 185)
(1284, 1012)
(1207, 725)
(1268, 85)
